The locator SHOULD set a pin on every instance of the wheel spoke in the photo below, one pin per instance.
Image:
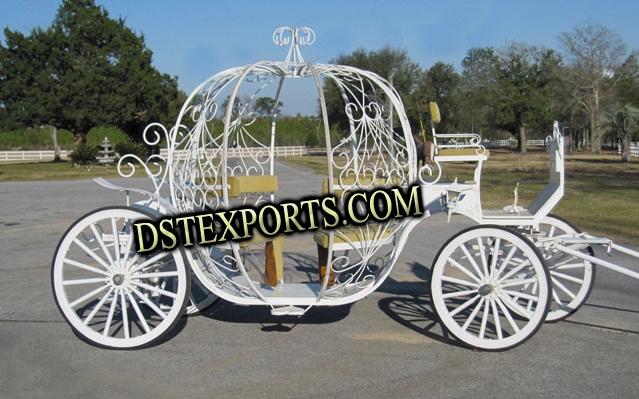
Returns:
(464, 305)
(566, 277)
(92, 254)
(85, 281)
(515, 282)
(97, 307)
(459, 281)
(505, 262)
(156, 274)
(471, 260)
(141, 317)
(100, 241)
(462, 269)
(473, 314)
(523, 295)
(567, 266)
(497, 321)
(562, 287)
(149, 262)
(85, 267)
(107, 325)
(515, 270)
(150, 303)
(116, 244)
(127, 250)
(495, 255)
(155, 289)
(484, 319)
(88, 296)
(516, 307)
(506, 313)
(125, 315)
(482, 256)
(458, 294)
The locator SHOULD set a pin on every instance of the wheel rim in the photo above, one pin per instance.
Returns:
(572, 278)
(111, 295)
(200, 298)
(490, 288)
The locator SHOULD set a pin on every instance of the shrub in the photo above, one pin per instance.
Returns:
(97, 134)
(34, 139)
(131, 147)
(84, 154)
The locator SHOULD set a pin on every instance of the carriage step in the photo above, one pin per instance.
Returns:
(287, 311)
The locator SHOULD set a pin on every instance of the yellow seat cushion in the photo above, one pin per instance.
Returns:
(349, 234)
(243, 184)
(461, 152)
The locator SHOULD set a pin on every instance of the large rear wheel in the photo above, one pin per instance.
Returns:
(490, 287)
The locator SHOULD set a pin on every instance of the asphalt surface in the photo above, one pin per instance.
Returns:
(388, 345)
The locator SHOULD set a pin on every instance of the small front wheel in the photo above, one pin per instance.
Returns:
(110, 295)
(490, 287)
(572, 277)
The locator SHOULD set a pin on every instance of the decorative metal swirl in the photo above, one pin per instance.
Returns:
(296, 37)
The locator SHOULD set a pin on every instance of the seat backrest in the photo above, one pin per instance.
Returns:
(554, 190)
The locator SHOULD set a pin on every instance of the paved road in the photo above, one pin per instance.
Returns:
(387, 345)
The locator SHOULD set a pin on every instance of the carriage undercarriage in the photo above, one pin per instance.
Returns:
(492, 285)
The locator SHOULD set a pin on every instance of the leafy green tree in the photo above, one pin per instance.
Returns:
(441, 83)
(85, 70)
(511, 89)
(477, 87)
(265, 106)
(526, 80)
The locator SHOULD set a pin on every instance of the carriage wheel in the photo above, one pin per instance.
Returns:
(110, 295)
(200, 298)
(572, 278)
(490, 287)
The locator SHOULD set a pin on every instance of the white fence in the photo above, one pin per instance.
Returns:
(634, 150)
(292, 151)
(45, 155)
(512, 143)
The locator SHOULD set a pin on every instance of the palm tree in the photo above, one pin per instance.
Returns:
(624, 120)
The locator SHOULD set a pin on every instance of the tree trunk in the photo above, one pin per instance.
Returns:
(595, 135)
(78, 138)
(625, 148)
(56, 147)
(522, 139)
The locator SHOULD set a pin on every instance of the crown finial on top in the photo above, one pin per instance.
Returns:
(297, 37)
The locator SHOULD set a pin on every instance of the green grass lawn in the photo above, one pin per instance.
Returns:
(602, 194)
(34, 171)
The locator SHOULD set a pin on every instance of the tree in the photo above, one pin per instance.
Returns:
(265, 106)
(85, 70)
(384, 62)
(595, 58)
(624, 121)
(511, 89)
(441, 83)
(478, 82)
(525, 78)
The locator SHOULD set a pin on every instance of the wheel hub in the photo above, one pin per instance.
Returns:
(486, 289)
(118, 279)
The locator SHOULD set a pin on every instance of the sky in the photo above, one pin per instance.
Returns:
(195, 39)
